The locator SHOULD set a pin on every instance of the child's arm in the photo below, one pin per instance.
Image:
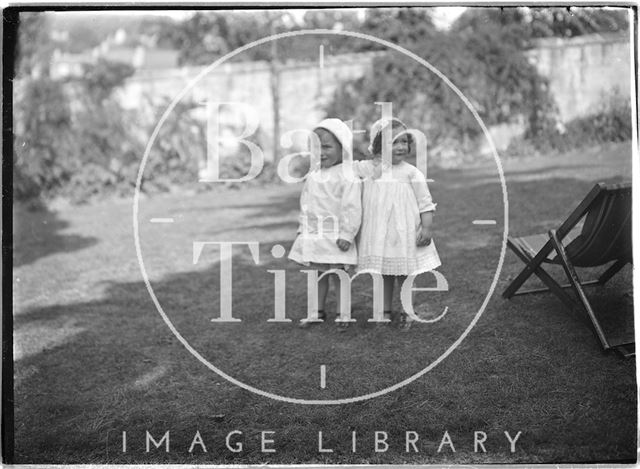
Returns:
(426, 207)
(350, 214)
(424, 235)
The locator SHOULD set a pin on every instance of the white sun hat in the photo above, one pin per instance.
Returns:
(340, 131)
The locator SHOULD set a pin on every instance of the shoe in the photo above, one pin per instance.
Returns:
(385, 315)
(342, 326)
(404, 323)
(307, 324)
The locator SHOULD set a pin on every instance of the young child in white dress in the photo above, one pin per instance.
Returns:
(331, 212)
(395, 237)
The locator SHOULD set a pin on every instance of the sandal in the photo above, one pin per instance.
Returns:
(386, 315)
(305, 323)
(342, 326)
(404, 323)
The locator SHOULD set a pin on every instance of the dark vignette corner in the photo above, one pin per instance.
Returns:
(9, 42)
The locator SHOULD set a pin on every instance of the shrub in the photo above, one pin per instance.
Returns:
(43, 140)
(72, 137)
(610, 122)
(521, 147)
(180, 151)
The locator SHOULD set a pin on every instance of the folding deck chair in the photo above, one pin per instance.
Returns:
(605, 237)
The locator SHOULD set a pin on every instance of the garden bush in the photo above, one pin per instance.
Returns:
(609, 122)
(180, 150)
(43, 138)
(71, 137)
(74, 139)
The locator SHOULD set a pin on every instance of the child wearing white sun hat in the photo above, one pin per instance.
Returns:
(331, 211)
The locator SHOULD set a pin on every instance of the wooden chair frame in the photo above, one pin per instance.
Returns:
(533, 265)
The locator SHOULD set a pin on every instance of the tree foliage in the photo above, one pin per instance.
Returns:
(34, 47)
(486, 64)
(402, 26)
(75, 139)
(42, 121)
(103, 77)
(84, 30)
(527, 23)
(205, 37)
(72, 136)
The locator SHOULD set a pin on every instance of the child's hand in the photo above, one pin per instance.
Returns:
(343, 244)
(423, 238)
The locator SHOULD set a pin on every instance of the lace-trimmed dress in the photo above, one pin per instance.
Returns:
(331, 208)
(391, 220)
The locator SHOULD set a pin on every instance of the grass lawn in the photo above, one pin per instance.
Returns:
(93, 358)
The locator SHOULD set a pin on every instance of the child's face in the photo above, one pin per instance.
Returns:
(330, 148)
(400, 146)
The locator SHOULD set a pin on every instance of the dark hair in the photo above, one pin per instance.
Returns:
(376, 146)
(340, 158)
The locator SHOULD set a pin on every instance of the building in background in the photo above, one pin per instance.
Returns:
(143, 56)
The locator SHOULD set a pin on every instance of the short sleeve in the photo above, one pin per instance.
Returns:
(363, 169)
(421, 191)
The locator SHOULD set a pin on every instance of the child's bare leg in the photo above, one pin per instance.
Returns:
(335, 281)
(400, 279)
(387, 300)
(323, 288)
(404, 321)
(388, 281)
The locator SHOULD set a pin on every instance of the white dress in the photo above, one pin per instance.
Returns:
(391, 220)
(330, 208)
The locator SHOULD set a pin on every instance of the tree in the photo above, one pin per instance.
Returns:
(159, 30)
(73, 136)
(86, 30)
(331, 18)
(403, 26)
(101, 78)
(34, 49)
(524, 24)
(206, 37)
(485, 62)
(43, 142)
(201, 39)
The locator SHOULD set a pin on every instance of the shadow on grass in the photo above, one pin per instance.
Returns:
(272, 204)
(36, 234)
(526, 366)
